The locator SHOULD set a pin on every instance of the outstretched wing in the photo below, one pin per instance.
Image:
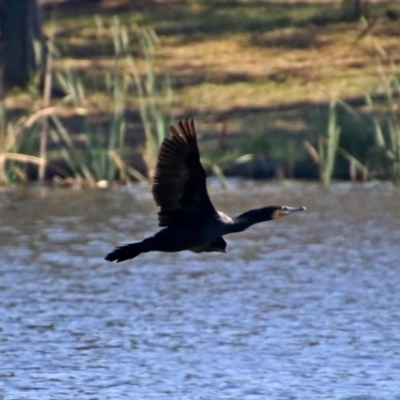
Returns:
(179, 187)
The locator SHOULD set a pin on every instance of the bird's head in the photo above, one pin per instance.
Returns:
(243, 221)
(282, 211)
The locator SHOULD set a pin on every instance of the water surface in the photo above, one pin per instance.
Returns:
(307, 307)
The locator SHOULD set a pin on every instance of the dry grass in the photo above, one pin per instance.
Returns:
(268, 68)
(244, 54)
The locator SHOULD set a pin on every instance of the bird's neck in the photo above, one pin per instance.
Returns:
(249, 218)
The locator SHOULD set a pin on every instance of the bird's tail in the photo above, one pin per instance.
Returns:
(127, 252)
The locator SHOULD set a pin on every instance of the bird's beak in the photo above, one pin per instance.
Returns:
(290, 210)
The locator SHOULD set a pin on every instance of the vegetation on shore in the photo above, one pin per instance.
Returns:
(270, 85)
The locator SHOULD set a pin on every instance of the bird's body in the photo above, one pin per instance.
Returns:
(188, 218)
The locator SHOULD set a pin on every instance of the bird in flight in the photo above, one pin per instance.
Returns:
(188, 219)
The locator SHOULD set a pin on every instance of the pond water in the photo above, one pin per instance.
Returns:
(307, 307)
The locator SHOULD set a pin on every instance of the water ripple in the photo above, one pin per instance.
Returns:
(303, 308)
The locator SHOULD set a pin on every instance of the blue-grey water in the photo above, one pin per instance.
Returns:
(307, 307)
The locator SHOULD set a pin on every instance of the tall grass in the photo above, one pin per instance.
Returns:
(10, 139)
(19, 143)
(387, 127)
(103, 157)
(99, 151)
(46, 103)
(328, 149)
(153, 92)
(155, 99)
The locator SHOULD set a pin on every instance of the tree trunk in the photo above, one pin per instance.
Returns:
(20, 25)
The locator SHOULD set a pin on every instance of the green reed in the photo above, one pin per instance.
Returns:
(18, 144)
(103, 156)
(327, 147)
(387, 126)
(154, 96)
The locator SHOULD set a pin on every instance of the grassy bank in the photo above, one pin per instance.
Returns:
(258, 77)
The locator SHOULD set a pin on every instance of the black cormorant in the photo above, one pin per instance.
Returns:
(187, 216)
